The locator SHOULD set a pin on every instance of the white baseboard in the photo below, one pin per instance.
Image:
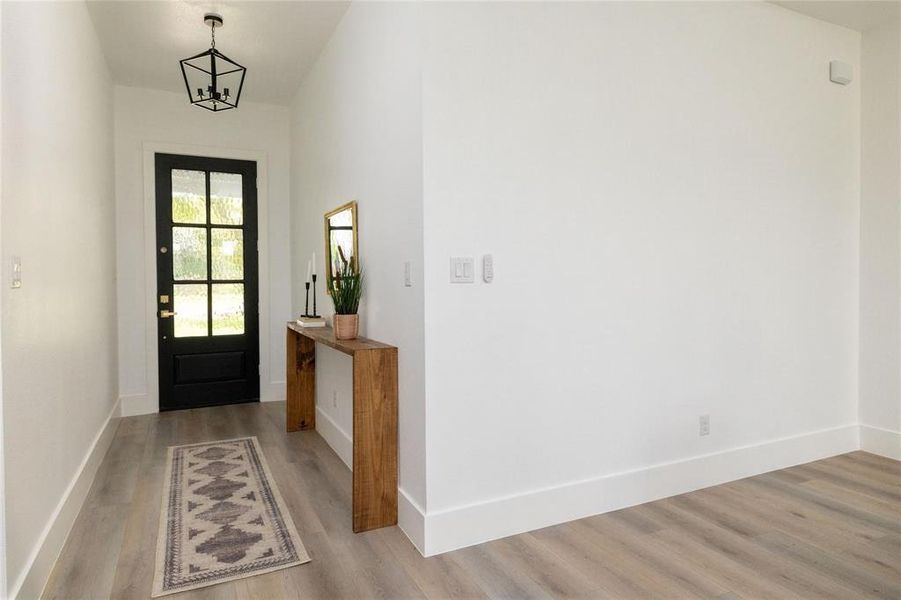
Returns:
(275, 391)
(340, 441)
(457, 527)
(138, 404)
(45, 552)
(411, 519)
(883, 442)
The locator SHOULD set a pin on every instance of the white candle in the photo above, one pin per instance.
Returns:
(314, 263)
(309, 267)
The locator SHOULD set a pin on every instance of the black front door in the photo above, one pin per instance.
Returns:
(206, 267)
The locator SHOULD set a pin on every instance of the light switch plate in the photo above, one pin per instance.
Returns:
(16, 272)
(462, 269)
(408, 274)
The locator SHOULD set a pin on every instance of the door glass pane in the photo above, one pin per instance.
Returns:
(228, 308)
(226, 206)
(228, 254)
(190, 309)
(188, 253)
(188, 196)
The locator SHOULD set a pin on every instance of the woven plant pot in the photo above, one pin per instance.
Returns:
(346, 326)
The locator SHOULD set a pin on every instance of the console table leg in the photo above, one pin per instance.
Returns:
(375, 439)
(301, 384)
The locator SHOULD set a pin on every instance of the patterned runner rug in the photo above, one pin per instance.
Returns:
(222, 518)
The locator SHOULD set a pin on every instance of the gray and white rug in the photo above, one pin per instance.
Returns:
(222, 518)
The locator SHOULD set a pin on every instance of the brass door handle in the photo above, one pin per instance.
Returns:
(165, 314)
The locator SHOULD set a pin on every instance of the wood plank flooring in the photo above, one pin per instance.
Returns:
(829, 529)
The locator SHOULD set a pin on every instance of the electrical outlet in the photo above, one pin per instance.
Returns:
(704, 425)
(334, 399)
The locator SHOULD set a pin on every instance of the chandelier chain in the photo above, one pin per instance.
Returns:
(213, 35)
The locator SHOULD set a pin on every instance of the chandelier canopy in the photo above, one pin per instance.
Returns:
(213, 81)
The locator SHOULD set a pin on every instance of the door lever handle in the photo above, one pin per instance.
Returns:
(165, 314)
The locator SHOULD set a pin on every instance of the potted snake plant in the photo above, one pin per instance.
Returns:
(346, 289)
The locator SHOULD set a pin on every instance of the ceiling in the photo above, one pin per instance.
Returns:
(853, 14)
(277, 41)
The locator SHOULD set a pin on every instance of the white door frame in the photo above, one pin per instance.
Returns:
(150, 313)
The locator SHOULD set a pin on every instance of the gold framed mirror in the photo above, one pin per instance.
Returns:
(340, 232)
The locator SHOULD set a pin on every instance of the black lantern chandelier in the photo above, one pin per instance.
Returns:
(213, 80)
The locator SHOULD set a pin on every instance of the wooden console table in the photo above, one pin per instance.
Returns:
(375, 416)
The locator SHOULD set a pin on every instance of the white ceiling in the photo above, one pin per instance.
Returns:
(853, 14)
(277, 41)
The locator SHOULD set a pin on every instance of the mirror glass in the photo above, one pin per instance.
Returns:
(340, 232)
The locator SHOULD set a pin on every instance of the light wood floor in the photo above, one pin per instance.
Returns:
(830, 529)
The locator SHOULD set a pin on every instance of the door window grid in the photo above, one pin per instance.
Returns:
(223, 280)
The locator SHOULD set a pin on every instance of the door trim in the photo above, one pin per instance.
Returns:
(150, 403)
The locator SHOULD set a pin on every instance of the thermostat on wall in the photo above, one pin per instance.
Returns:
(488, 268)
(840, 72)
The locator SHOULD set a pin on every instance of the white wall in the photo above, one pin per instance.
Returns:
(58, 333)
(880, 240)
(356, 135)
(2, 462)
(151, 116)
(670, 193)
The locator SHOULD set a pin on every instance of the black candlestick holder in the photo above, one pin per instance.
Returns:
(314, 315)
(306, 305)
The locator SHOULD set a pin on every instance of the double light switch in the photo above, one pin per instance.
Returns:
(462, 269)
